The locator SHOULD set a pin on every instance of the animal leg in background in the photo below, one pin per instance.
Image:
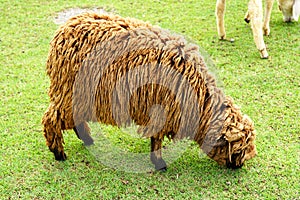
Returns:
(268, 10)
(220, 12)
(290, 9)
(267, 18)
(156, 156)
(255, 15)
(83, 132)
(296, 10)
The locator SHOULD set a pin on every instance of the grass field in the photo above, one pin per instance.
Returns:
(267, 90)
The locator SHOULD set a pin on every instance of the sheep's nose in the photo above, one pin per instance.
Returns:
(233, 166)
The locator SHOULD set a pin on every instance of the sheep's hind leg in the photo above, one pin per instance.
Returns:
(83, 132)
(53, 134)
(155, 155)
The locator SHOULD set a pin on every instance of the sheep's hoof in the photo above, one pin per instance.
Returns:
(88, 141)
(83, 133)
(60, 156)
(162, 169)
(161, 165)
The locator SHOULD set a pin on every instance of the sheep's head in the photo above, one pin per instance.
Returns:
(290, 9)
(234, 142)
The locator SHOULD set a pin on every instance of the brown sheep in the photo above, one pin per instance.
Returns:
(117, 70)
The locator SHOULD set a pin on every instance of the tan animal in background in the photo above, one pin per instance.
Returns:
(290, 10)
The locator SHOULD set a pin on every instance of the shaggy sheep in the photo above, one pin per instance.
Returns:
(290, 10)
(117, 70)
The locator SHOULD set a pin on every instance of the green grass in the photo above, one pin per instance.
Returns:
(267, 90)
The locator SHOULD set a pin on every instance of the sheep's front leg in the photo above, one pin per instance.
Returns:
(155, 155)
(83, 132)
(268, 10)
(255, 13)
(220, 12)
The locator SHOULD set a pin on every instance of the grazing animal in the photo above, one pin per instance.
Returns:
(289, 8)
(117, 70)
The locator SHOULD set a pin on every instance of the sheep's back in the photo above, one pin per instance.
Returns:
(70, 46)
(104, 48)
(138, 69)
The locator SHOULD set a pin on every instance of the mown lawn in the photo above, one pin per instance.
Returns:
(267, 90)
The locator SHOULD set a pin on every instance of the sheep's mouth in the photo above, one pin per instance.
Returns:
(234, 164)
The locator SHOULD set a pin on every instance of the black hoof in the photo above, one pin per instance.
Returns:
(161, 165)
(247, 20)
(60, 156)
(88, 141)
(162, 169)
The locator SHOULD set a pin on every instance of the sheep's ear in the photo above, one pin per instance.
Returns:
(296, 10)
